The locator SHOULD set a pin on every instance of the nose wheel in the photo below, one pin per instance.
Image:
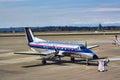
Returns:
(87, 62)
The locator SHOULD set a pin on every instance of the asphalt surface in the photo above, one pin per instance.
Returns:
(26, 67)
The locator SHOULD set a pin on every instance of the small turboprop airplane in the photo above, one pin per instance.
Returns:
(56, 50)
(116, 41)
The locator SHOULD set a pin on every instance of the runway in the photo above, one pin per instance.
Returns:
(26, 67)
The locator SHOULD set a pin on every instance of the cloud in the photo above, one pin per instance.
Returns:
(46, 14)
(111, 22)
(106, 9)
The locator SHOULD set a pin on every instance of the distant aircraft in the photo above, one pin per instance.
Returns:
(116, 41)
(56, 50)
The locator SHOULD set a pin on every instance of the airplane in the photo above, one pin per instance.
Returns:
(56, 50)
(116, 41)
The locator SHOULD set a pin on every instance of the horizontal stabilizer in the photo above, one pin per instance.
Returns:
(43, 53)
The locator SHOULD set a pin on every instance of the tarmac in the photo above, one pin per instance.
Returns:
(27, 67)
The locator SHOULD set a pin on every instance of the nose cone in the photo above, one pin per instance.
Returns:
(95, 56)
(88, 53)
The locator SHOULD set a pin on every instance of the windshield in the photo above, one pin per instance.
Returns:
(82, 47)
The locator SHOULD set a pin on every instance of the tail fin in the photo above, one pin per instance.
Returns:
(30, 37)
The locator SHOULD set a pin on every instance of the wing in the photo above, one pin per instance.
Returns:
(27, 53)
(90, 47)
(43, 53)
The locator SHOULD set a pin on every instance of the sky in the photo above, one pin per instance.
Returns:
(21, 13)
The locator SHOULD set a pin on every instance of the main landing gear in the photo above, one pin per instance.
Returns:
(44, 61)
(86, 60)
(58, 58)
(72, 59)
(55, 59)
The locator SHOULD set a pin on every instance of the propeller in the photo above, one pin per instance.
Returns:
(85, 44)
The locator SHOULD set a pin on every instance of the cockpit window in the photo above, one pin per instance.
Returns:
(82, 47)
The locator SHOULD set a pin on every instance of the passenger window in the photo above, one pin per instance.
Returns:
(79, 48)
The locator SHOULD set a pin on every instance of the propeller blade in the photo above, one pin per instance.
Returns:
(86, 44)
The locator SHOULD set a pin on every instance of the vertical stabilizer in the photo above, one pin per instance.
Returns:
(29, 35)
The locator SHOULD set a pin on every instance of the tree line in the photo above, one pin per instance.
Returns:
(61, 28)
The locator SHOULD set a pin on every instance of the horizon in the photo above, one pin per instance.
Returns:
(16, 13)
(75, 26)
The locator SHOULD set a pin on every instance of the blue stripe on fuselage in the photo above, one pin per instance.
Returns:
(54, 46)
(72, 48)
(60, 46)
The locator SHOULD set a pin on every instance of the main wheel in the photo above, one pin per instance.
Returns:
(43, 61)
(72, 59)
(58, 59)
